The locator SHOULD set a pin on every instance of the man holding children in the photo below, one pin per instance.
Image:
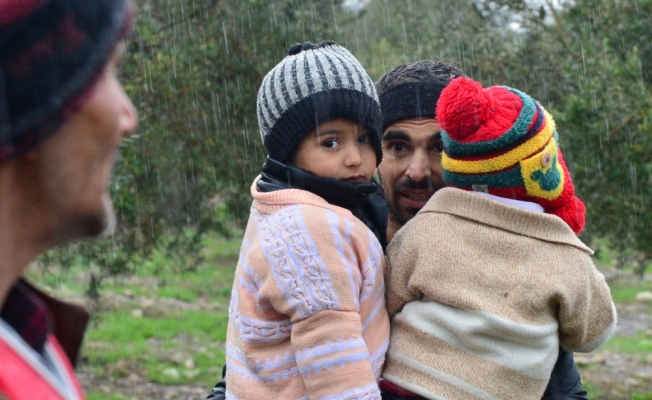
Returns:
(412, 171)
(308, 317)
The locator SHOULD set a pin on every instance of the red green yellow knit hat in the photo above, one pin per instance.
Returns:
(500, 141)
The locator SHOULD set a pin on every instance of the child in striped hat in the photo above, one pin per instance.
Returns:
(307, 317)
(489, 279)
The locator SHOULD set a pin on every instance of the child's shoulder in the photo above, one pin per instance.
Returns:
(300, 202)
(315, 218)
(326, 214)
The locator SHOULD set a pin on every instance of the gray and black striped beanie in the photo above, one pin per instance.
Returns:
(313, 84)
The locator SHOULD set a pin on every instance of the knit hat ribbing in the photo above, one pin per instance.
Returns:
(500, 141)
(409, 100)
(313, 84)
(51, 54)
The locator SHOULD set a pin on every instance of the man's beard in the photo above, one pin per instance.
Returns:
(109, 212)
(109, 216)
(74, 224)
(393, 194)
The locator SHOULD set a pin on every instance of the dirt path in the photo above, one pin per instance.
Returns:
(135, 387)
(127, 380)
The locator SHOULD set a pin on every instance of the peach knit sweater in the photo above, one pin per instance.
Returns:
(307, 317)
(481, 295)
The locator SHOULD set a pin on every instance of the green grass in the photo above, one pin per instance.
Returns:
(178, 293)
(218, 249)
(604, 253)
(622, 292)
(120, 338)
(119, 342)
(593, 392)
(175, 345)
(163, 344)
(116, 326)
(639, 344)
(65, 282)
(103, 396)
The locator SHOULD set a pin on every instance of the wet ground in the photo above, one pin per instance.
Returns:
(609, 372)
(618, 375)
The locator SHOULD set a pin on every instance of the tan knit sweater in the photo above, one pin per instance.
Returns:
(481, 295)
(307, 317)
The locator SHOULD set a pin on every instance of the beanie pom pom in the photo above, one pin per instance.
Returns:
(299, 47)
(573, 213)
(462, 108)
(295, 49)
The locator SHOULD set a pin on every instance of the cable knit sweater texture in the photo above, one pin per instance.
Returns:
(307, 317)
(481, 295)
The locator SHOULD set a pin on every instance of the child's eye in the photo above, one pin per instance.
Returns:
(330, 144)
(364, 139)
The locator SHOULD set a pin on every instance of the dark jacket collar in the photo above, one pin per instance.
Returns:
(33, 314)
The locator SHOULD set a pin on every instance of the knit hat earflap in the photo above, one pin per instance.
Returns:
(499, 140)
(313, 84)
(51, 54)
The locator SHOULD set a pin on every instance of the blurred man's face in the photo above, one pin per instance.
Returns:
(77, 160)
(411, 169)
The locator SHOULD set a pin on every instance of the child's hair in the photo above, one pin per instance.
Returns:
(500, 141)
(313, 84)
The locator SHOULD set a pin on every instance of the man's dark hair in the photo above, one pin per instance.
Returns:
(431, 71)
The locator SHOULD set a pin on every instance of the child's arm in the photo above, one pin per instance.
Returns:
(587, 315)
(318, 280)
(332, 356)
(402, 257)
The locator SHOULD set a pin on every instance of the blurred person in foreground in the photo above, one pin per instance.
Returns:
(488, 280)
(63, 114)
(411, 170)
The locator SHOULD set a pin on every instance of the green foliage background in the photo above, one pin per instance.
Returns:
(194, 67)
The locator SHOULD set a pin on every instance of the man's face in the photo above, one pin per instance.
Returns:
(411, 169)
(77, 160)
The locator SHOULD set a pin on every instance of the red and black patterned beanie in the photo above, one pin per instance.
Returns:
(52, 53)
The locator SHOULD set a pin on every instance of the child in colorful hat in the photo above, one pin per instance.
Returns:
(307, 317)
(489, 279)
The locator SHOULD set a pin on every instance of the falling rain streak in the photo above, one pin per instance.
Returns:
(193, 69)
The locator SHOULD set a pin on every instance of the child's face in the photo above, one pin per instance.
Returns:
(340, 149)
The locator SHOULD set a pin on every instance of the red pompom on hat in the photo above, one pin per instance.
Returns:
(467, 112)
(573, 212)
(499, 140)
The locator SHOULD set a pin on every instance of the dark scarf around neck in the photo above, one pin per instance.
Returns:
(365, 200)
